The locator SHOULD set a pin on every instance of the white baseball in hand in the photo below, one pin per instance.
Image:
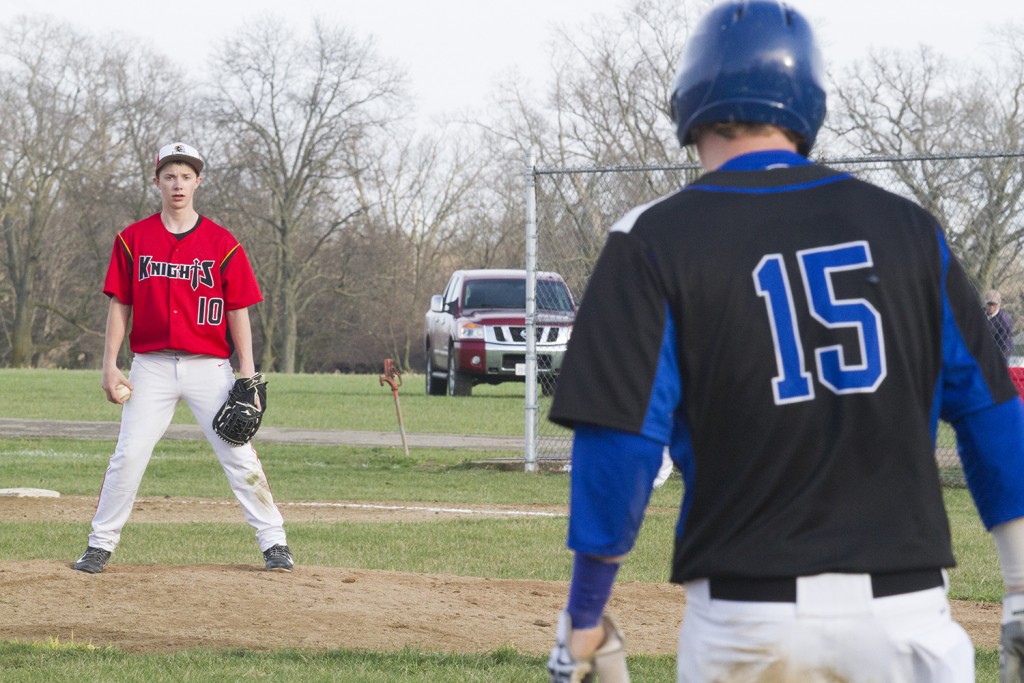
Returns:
(122, 393)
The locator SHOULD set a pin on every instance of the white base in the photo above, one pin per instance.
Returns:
(30, 493)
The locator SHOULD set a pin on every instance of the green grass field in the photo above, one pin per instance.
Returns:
(338, 473)
(351, 402)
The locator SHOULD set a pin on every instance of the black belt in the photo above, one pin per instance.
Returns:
(784, 589)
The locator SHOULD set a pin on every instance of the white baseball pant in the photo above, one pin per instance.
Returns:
(159, 381)
(834, 631)
(665, 471)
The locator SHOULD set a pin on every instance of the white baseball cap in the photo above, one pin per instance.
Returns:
(179, 151)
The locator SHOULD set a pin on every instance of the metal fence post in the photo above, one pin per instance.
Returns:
(530, 441)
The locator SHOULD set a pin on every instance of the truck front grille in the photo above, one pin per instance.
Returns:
(516, 334)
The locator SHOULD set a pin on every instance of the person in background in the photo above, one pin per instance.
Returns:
(1000, 322)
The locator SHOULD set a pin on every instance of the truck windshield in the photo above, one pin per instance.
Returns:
(551, 295)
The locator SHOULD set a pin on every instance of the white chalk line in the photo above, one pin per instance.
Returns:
(369, 506)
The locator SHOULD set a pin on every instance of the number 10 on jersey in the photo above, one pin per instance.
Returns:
(211, 311)
(794, 382)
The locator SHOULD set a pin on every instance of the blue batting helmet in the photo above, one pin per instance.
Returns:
(754, 61)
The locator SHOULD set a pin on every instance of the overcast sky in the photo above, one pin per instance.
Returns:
(454, 50)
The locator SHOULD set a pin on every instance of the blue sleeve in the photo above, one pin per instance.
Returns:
(611, 479)
(978, 399)
(968, 372)
(666, 390)
(991, 445)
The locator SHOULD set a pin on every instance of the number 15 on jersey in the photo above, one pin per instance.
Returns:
(794, 382)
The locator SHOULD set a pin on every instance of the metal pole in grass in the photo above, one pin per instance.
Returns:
(393, 378)
(531, 314)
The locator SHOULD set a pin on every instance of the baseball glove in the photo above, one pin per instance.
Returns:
(238, 419)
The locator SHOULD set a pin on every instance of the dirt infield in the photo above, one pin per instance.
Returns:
(161, 608)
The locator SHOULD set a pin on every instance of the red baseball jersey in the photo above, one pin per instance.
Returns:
(180, 287)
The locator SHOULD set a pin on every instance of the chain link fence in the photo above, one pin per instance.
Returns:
(976, 197)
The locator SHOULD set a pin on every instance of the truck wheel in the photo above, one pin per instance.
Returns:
(459, 383)
(435, 386)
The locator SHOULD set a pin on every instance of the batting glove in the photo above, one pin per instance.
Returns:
(1011, 645)
(608, 664)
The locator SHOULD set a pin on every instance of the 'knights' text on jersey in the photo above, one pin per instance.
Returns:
(196, 273)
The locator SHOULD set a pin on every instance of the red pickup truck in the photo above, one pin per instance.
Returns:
(475, 333)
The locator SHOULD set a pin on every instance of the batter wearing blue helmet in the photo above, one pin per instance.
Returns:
(793, 335)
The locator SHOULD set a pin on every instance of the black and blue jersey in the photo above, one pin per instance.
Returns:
(793, 334)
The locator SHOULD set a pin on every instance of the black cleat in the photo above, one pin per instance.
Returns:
(93, 560)
(278, 558)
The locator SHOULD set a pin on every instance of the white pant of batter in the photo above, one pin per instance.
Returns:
(159, 381)
(835, 631)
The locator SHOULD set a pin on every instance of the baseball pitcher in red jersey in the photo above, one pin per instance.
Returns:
(185, 284)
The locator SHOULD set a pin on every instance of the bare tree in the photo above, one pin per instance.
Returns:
(418, 197)
(144, 110)
(609, 101)
(293, 113)
(78, 112)
(919, 106)
(152, 107)
(51, 99)
(613, 84)
(607, 106)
